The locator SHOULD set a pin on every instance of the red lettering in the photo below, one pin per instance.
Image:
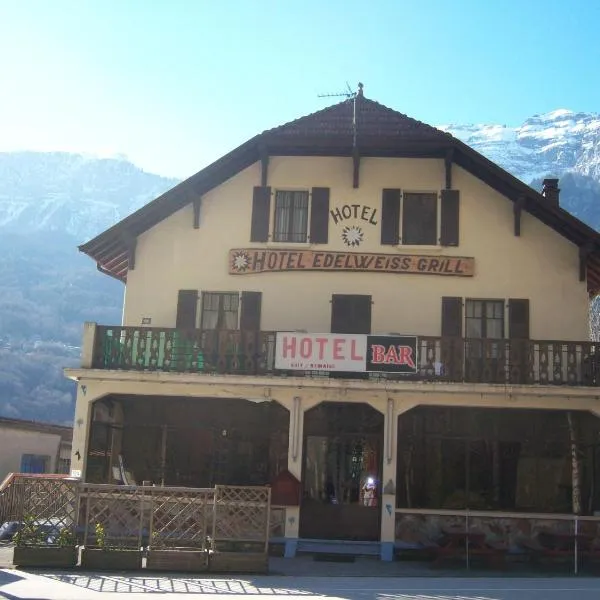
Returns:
(322, 343)
(305, 347)
(338, 347)
(289, 345)
(391, 356)
(406, 357)
(353, 353)
(377, 354)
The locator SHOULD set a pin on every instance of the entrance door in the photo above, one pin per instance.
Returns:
(342, 472)
(350, 313)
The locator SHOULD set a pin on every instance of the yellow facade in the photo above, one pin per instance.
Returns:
(540, 265)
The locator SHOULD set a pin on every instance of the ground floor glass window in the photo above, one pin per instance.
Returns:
(493, 459)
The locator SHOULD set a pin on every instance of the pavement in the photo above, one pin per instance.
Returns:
(58, 585)
(300, 579)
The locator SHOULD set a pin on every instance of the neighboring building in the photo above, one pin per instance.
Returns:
(459, 367)
(31, 447)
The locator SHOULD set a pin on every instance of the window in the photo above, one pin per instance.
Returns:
(64, 465)
(419, 219)
(291, 216)
(34, 463)
(220, 310)
(485, 319)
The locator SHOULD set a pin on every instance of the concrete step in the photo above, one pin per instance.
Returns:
(351, 547)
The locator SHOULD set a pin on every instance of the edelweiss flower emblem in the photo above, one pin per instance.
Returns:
(352, 235)
(240, 261)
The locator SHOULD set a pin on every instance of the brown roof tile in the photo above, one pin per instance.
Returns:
(372, 120)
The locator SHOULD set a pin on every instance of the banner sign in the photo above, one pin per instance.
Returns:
(245, 261)
(344, 352)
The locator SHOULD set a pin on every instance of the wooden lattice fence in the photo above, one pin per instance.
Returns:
(241, 516)
(180, 517)
(114, 516)
(51, 502)
(136, 516)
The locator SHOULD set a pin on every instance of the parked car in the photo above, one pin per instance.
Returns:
(8, 530)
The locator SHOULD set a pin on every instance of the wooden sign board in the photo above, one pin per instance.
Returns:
(245, 261)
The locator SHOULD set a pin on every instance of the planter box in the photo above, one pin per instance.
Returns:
(238, 562)
(44, 556)
(178, 559)
(98, 559)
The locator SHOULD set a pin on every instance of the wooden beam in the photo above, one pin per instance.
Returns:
(517, 210)
(130, 243)
(448, 167)
(264, 164)
(197, 202)
(355, 167)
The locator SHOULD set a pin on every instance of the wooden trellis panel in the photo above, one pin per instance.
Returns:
(241, 514)
(180, 517)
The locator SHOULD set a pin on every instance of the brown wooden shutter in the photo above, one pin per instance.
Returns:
(187, 305)
(518, 319)
(261, 211)
(450, 218)
(250, 313)
(452, 317)
(390, 217)
(350, 313)
(319, 216)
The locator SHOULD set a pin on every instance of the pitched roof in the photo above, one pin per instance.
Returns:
(374, 121)
(64, 431)
(380, 131)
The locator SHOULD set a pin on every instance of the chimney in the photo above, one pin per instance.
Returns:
(551, 191)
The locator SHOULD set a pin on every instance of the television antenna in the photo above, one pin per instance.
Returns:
(349, 94)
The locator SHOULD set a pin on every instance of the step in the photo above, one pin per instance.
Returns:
(356, 548)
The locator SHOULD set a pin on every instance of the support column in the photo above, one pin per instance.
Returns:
(81, 428)
(388, 482)
(292, 513)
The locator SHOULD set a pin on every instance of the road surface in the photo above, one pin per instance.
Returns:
(65, 585)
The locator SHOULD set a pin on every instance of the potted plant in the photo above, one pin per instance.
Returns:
(109, 557)
(43, 545)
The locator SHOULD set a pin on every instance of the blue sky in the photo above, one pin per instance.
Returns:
(174, 84)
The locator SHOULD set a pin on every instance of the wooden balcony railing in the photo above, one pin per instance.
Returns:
(439, 359)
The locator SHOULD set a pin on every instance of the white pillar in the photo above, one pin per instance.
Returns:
(81, 429)
(87, 345)
(388, 482)
(292, 513)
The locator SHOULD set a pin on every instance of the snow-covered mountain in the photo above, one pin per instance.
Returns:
(554, 143)
(50, 202)
(71, 193)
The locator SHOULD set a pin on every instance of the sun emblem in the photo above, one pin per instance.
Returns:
(241, 261)
(352, 235)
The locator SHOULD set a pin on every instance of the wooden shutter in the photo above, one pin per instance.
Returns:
(319, 216)
(187, 305)
(350, 313)
(261, 211)
(452, 317)
(390, 217)
(250, 313)
(450, 218)
(518, 319)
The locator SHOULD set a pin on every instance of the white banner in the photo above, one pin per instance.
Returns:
(320, 352)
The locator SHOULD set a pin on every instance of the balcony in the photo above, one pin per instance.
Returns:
(513, 362)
